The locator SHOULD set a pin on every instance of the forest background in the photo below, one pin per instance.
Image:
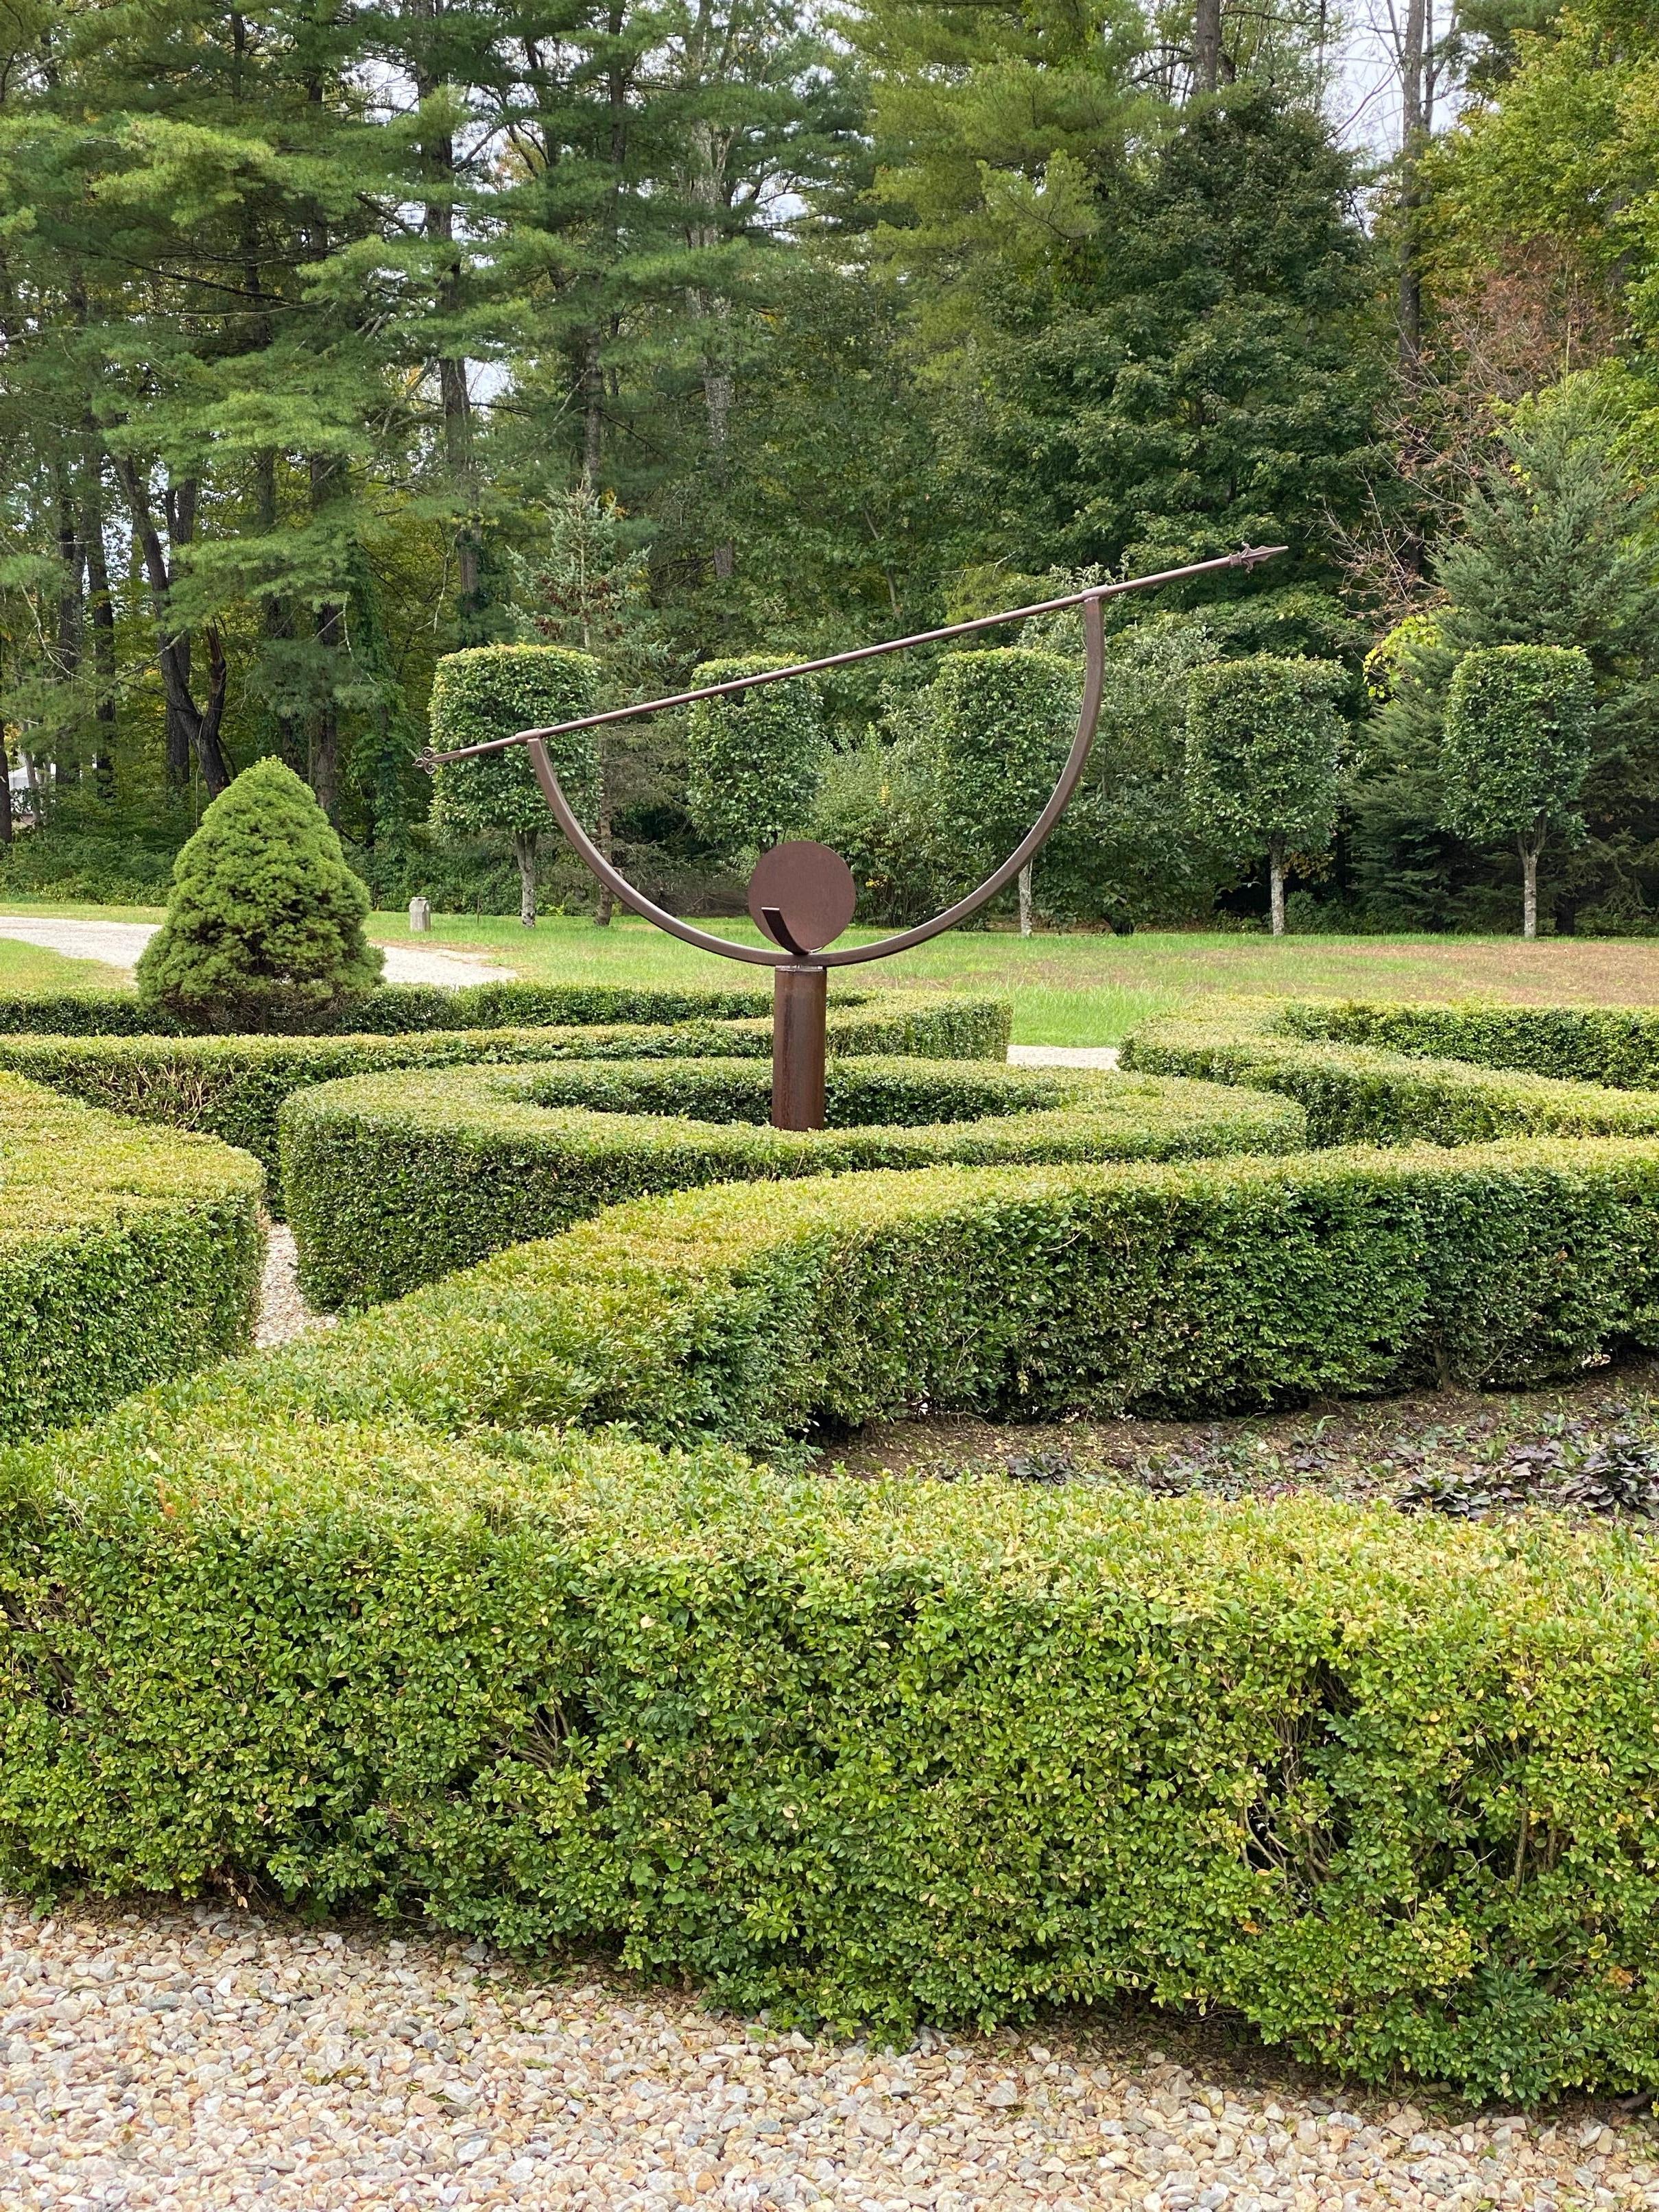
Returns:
(334, 338)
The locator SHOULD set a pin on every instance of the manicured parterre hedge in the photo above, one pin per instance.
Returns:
(482, 1603)
(1355, 1091)
(125, 1255)
(954, 1025)
(232, 1087)
(389, 1184)
(366, 1620)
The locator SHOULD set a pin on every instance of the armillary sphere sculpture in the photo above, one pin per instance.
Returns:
(802, 894)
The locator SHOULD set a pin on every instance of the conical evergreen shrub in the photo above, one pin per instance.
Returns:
(264, 926)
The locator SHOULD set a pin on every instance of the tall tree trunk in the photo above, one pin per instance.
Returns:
(454, 396)
(1276, 886)
(1529, 850)
(188, 725)
(275, 614)
(524, 852)
(324, 763)
(592, 408)
(101, 606)
(71, 582)
(1415, 93)
(1207, 46)
(1024, 880)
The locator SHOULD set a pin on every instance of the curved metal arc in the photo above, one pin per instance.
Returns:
(760, 955)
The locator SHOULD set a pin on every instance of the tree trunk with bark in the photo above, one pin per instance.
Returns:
(101, 607)
(324, 762)
(524, 852)
(1276, 886)
(1415, 96)
(1207, 46)
(188, 725)
(1025, 899)
(1530, 848)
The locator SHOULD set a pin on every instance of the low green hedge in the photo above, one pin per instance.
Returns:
(1356, 1092)
(1617, 1046)
(863, 1749)
(476, 1605)
(934, 1023)
(232, 1087)
(389, 1184)
(759, 1315)
(125, 1256)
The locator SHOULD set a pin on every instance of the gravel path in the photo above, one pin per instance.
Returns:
(1063, 1055)
(201, 2060)
(283, 1314)
(119, 943)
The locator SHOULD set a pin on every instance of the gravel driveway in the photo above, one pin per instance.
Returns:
(195, 2061)
(119, 943)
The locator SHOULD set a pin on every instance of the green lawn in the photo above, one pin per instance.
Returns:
(1091, 989)
(1067, 989)
(30, 967)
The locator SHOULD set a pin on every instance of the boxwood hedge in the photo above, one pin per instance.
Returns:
(389, 1184)
(125, 1255)
(233, 1086)
(1355, 1091)
(376, 1620)
(483, 1604)
(952, 1025)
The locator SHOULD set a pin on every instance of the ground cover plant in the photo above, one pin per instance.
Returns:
(521, 1602)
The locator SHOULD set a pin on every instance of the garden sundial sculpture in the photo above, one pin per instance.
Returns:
(802, 896)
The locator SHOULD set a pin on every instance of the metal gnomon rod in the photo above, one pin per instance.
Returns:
(802, 894)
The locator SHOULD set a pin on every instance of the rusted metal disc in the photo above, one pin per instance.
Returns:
(802, 894)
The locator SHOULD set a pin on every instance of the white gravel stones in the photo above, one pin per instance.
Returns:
(193, 2061)
(1063, 1055)
(283, 1314)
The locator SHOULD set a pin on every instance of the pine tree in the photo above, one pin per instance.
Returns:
(264, 926)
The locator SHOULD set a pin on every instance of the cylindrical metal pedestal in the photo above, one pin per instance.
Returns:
(799, 1010)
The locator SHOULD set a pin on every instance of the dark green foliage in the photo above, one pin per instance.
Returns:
(264, 924)
(1334, 1061)
(390, 1184)
(1197, 375)
(754, 760)
(125, 1256)
(1552, 548)
(233, 1086)
(1263, 741)
(494, 691)
(1517, 749)
(994, 729)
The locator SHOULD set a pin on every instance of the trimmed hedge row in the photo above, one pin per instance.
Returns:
(954, 1026)
(1617, 1046)
(858, 1749)
(759, 1315)
(125, 1256)
(232, 1087)
(389, 1185)
(1358, 1093)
